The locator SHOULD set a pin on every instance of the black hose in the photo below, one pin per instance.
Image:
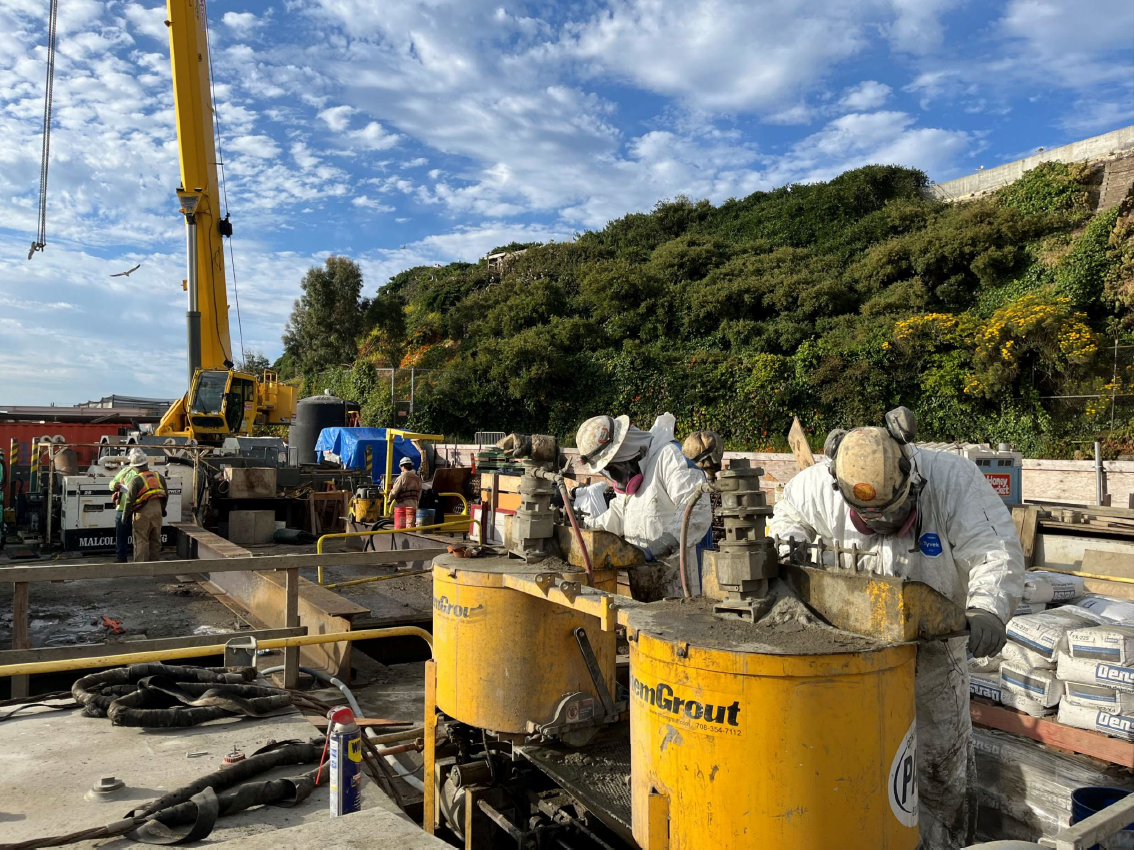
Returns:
(234, 774)
(99, 691)
(160, 702)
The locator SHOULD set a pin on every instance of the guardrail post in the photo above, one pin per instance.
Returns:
(20, 633)
(291, 620)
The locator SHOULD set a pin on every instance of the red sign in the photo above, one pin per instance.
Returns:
(1001, 483)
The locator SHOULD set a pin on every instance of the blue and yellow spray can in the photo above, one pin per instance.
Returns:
(345, 745)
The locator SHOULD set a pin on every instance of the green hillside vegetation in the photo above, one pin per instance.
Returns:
(831, 301)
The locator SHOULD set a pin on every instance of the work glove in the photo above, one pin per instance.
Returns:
(516, 446)
(986, 633)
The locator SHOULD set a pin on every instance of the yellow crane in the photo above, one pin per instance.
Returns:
(221, 401)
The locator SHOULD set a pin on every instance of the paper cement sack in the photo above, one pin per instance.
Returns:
(989, 664)
(985, 685)
(1111, 643)
(1045, 633)
(1017, 653)
(1095, 696)
(1110, 609)
(1010, 699)
(1088, 672)
(1039, 685)
(1097, 720)
(1025, 608)
(1040, 586)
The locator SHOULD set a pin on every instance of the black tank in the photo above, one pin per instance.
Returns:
(312, 415)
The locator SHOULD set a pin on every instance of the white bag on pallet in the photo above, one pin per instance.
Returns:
(1011, 699)
(985, 685)
(1017, 653)
(1096, 696)
(989, 664)
(989, 687)
(1097, 720)
(1025, 608)
(1100, 673)
(1111, 643)
(1042, 686)
(1040, 586)
(1046, 633)
(1110, 609)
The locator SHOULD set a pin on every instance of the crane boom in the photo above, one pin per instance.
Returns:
(196, 145)
(221, 401)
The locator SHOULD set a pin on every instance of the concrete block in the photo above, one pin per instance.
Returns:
(251, 527)
(251, 483)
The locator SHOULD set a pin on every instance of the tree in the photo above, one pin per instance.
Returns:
(254, 363)
(327, 318)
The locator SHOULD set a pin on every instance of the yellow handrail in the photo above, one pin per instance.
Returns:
(448, 525)
(65, 664)
(464, 502)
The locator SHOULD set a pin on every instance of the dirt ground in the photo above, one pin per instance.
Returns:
(69, 613)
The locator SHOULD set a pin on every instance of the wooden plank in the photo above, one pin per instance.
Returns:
(94, 650)
(1053, 734)
(1096, 510)
(291, 621)
(19, 633)
(429, 733)
(1117, 589)
(77, 571)
(1117, 564)
(1029, 527)
(799, 445)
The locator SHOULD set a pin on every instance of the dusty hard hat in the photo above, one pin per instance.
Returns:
(705, 449)
(599, 439)
(872, 470)
(137, 457)
(405, 462)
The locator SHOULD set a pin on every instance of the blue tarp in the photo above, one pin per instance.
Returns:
(350, 444)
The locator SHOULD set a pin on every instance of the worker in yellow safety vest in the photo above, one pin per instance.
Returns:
(144, 502)
(119, 484)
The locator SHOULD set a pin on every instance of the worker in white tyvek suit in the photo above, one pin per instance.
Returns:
(932, 517)
(653, 482)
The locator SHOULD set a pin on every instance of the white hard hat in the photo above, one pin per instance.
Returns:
(872, 470)
(405, 461)
(137, 457)
(599, 439)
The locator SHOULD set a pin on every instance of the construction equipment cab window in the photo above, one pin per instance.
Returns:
(221, 401)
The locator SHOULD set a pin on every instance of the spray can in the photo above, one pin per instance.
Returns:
(345, 745)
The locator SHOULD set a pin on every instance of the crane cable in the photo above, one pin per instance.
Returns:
(45, 154)
(223, 186)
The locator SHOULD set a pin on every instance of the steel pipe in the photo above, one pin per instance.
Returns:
(67, 664)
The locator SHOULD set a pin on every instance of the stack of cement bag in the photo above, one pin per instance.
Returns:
(1023, 675)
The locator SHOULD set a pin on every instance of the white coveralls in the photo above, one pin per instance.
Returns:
(966, 547)
(656, 509)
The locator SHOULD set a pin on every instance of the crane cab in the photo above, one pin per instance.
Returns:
(226, 403)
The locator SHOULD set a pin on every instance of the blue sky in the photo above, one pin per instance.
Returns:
(422, 131)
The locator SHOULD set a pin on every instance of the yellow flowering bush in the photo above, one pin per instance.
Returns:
(1038, 329)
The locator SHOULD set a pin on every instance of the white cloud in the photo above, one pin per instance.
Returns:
(243, 23)
(261, 147)
(373, 137)
(303, 157)
(917, 26)
(371, 204)
(416, 163)
(337, 117)
(1092, 116)
(798, 114)
(867, 95)
(723, 55)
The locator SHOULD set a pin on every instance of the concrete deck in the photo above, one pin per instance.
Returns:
(51, 759)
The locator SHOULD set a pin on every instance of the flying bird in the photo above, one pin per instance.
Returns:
(128, 272)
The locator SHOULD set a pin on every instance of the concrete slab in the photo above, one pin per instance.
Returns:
(373, 828)
(51, 759)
